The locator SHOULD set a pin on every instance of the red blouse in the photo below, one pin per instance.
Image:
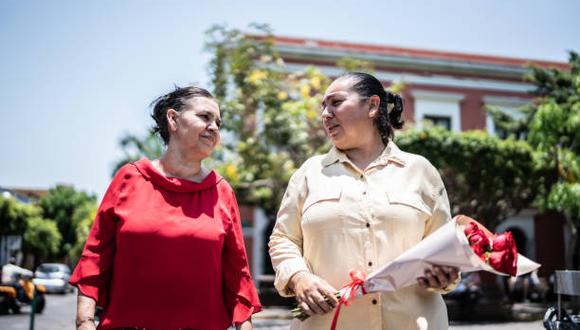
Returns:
(167, 253)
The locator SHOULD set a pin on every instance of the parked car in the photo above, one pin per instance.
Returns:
(54, 277)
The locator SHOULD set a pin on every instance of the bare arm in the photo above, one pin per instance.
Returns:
(85, 313)
(246, 325)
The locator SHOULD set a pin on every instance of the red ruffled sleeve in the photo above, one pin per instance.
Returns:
(240, 293)
(93, 272)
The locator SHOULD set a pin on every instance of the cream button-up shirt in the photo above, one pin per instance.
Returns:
(335, 218)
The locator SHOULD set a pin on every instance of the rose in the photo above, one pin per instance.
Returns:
(470, 228)
(504, 257)
(505, 261)
(503, 242)
(479, 242)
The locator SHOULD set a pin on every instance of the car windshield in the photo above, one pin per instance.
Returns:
(52, 268)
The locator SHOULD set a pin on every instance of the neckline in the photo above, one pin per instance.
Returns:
(146, 168)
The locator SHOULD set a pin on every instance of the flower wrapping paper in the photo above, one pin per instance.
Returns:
(448, 246)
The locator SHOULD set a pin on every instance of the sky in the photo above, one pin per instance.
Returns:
(75, 76)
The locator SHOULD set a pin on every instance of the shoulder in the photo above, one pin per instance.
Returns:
(127, 172)
(223, 186)
(418, 162)
(312, 164)
(421, 168)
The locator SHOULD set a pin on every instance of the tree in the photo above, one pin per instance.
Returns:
(552, 127)
(13, 216)
(41, 238)
(554, 131)
(135, 148)
(82, 220)
(59, 205)
(271, 116)
(486, 177)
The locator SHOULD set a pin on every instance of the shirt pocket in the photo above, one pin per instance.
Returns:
(410, 200)
(322, 208)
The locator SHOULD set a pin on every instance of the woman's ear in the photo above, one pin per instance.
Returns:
(374, 102)
(171, 115)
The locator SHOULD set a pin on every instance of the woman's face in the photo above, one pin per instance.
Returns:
(195, 131)
(346, 116)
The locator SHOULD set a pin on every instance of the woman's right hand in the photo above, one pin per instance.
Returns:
(311, 291)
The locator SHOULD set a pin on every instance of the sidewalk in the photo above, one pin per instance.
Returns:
(524, 316)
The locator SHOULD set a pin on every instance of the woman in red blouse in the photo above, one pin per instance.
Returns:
(166, 249)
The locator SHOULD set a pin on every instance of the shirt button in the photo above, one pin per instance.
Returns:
(370, 263)
(364, 192)
(374, 302)
(368, 225)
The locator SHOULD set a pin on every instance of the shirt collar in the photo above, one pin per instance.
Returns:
(391, 153)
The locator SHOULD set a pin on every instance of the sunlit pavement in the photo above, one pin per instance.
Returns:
(278, 319)
(60, 311)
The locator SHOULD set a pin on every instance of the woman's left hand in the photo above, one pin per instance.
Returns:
(438, 277)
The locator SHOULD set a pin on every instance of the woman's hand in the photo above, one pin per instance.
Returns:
(438, 277)
(311, 291)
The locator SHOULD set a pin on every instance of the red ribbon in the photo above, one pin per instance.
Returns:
(357, 281)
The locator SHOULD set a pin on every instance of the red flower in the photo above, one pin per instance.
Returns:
(470, 228)
(503, 242)
(478, 249)
(479, 239)
(505, 261)
(502, 255)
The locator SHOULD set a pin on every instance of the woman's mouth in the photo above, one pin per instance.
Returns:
(208, 138)
(331, 128)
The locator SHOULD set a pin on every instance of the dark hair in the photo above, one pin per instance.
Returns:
(367, 85)
(176, 100)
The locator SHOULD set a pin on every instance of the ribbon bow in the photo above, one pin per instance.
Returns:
(357, 281)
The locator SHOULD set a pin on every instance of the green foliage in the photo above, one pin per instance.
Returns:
(552, 127)
(271, 116)
(42, 238)
(135, 148)
(82, 220)
(487, 178)
(13, 216)
(60, 205)
(565, 197)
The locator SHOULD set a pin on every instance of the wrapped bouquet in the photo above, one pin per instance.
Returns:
(463, 243)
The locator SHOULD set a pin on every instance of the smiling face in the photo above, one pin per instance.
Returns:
(195, 131)
(346, 116)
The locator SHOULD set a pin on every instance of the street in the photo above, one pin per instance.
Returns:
(60, 312)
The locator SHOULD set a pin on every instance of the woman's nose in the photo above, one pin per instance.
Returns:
(213, 126)
(326, 113)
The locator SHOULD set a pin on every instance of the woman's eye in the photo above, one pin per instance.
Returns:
(336, 103)
(204, 117)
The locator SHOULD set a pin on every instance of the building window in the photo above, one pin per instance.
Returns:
(439, 108)
(510, 106)
(442, 121)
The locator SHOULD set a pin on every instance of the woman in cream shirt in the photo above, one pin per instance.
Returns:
(356, 208)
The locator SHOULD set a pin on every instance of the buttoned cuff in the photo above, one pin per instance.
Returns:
(285, 271)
